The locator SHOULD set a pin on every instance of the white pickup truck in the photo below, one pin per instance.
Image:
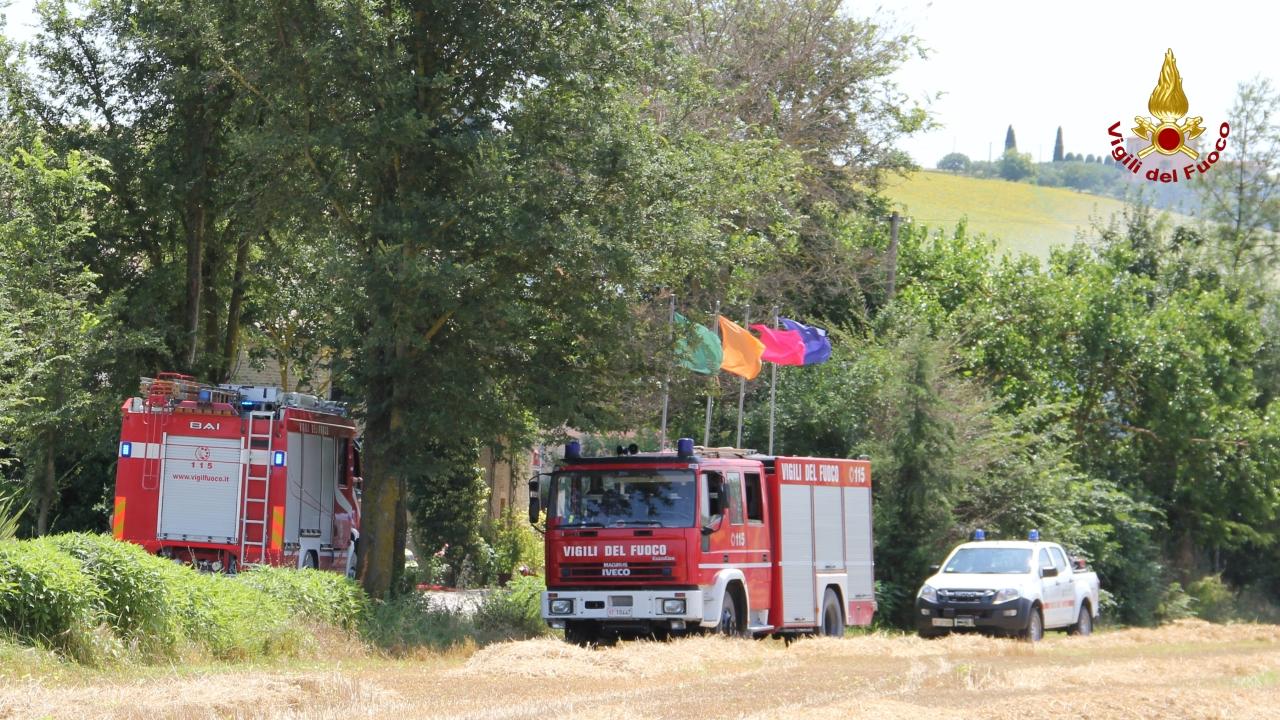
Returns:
(1017, 588)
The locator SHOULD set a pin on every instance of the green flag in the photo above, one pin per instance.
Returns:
(703, 353)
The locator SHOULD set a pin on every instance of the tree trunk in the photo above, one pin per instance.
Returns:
(195, 259)
(381, 483)
(209, 306)
(231, 344)
(48, 491)
(401, 534)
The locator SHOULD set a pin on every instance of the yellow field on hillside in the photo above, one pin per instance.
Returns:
(1188, 670)
(1024, 218)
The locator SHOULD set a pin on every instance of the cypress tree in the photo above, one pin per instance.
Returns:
(1010, 142)
(1057, 146)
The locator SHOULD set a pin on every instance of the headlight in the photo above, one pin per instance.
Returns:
(929, 594)
(1006, 595)
(672, 607)
(561, 607)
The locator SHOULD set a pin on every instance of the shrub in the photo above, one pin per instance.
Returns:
(324, 596)
(134, 600)
(1174, 604)
(1214, 601)
(410, 621)
(513, 612)
(230, 619)
(45, 599)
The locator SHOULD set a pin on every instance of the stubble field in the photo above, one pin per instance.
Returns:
(1187, 670)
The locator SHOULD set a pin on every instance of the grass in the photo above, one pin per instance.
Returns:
(1024, 218)
(1187, 669)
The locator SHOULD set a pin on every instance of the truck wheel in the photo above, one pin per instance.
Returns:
(1035, 627)
(309, 560)
(1084, 623)
(581, 633)
(728, 616)
(832, 617)
(233, 565)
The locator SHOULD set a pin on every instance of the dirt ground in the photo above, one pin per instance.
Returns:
(1188, 670)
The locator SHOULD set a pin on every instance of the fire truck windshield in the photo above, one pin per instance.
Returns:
(621, 498)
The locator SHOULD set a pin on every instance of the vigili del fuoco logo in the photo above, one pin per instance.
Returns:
(1168, 133)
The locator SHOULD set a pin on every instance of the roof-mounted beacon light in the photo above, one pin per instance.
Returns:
(1034, 536)
(205, 396)
(633, 449)
(684, 447)
(572, 450)
(979, 534)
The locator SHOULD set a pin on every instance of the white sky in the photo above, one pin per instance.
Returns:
(1081, 64)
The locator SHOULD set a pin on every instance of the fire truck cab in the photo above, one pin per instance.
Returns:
(705, 539)
(226, 476)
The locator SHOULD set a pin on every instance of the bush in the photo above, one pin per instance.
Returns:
(46, 600)
(1175, 604)
(135, 600)
(1214, 601)
(318, 595)
(512, 613)
(407, 622)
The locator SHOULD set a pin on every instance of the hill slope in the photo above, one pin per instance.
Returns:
(1024, 218)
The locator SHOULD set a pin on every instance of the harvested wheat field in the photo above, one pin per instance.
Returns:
(1187, 670)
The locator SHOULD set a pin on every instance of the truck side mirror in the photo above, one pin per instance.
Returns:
(934, 568)
(535, 502)
(1048, 572)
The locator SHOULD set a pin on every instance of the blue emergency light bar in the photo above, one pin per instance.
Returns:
(277, 458)
(979, 534)
(126, 449)
(1034, 536)
(205, 396)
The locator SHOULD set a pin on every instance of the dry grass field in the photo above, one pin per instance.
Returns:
(1187, 670)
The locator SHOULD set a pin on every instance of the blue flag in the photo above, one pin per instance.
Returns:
(817, 347)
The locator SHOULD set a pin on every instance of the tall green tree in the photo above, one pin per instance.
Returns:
(1010, 142)
(1057, 145)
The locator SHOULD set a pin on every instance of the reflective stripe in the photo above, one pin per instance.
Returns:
(117, 522)
(742, 566)
(277, 527)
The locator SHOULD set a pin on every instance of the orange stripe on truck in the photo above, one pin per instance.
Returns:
(277, 527)
(117, 520)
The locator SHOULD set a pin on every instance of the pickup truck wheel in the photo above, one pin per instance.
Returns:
(832, 617)
(1035, 627)
(1084, 623)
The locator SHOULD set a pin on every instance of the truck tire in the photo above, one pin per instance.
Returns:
(729, 616)
(832, 616)
(309, 561)
(1084, 623)
(581, 633)
(1035, 626)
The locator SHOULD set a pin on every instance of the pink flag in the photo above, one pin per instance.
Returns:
(781, 347)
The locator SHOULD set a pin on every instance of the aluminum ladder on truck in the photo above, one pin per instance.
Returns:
(257, 491)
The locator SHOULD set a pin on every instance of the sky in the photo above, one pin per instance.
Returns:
(1081, 64)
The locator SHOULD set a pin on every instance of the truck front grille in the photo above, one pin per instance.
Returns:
(966, 596)
(617, 571)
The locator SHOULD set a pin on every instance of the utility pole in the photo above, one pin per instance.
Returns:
(894, 221)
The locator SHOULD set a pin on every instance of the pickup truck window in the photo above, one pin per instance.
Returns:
(1045, 562)
(1059, 560)
(1000, 561)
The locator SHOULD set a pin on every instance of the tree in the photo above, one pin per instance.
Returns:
(954, 162)
(1016, 166)
(1241, 194)
(1057, 146)
(1010, 142)
(52, 330)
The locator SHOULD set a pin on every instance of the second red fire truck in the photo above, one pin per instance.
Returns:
(705, 539)
(226, 476)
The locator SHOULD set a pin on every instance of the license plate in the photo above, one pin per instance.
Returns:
(943, 622)
(619, 612)
(964, 622)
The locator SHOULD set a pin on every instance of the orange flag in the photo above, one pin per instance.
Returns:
(742, 350)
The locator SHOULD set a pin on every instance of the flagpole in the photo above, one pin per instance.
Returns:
(706, 430)
(742, 385)
(666, 383)
(773, 387)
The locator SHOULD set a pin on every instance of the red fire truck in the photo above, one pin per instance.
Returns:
(705, 539)
(225, 476)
